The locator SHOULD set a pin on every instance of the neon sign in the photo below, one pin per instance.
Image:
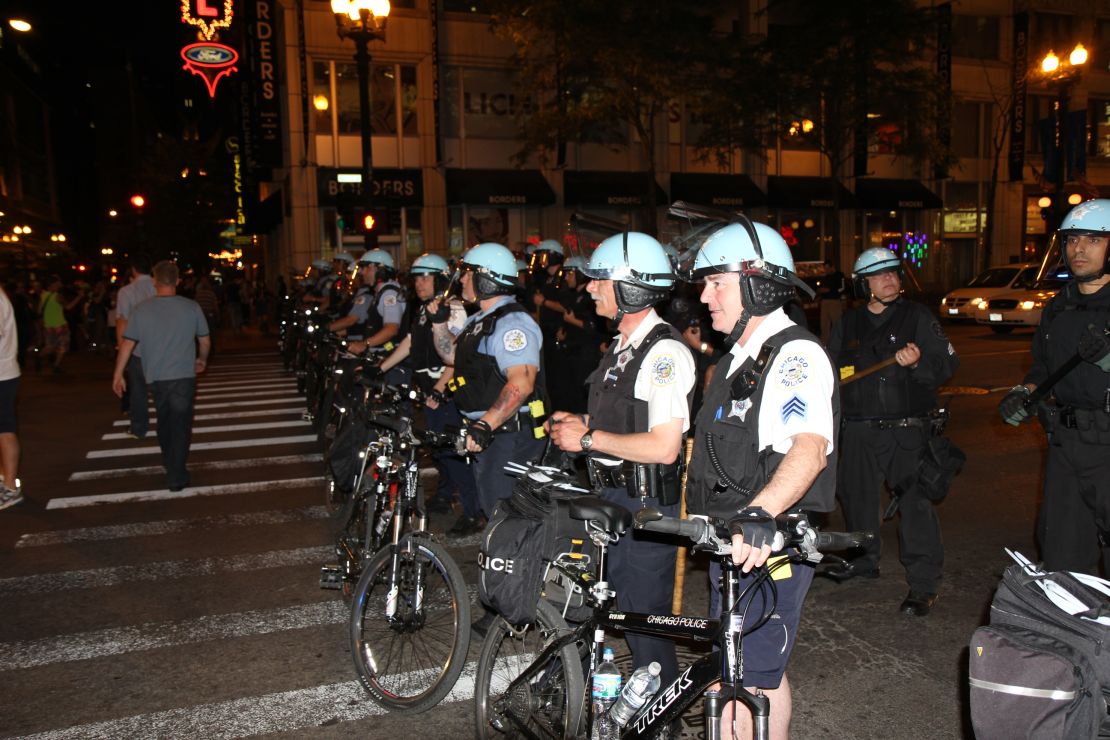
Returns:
(211, 61)
(208, 18)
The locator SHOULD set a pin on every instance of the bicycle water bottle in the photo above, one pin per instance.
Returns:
(643, 685)
(605, 688)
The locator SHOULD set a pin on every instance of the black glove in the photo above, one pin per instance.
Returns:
(755, 524)
(480, 432)
(1013, 408)
(441, 313)
(370, 372)
(1094, 347)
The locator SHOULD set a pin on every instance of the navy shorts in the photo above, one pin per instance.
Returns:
(8, 389)
(766, 651)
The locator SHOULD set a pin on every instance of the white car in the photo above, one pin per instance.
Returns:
(962, 303)
(1004, 311)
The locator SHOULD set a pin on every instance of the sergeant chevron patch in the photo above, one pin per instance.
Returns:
(795, 406)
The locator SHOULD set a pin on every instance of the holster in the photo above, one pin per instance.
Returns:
(640, 480)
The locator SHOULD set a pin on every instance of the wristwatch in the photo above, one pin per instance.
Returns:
(587, 440)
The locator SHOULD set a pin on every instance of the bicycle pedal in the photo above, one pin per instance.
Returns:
(331, 578)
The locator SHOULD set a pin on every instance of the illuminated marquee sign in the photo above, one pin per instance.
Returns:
(211, 61)
(206, 15)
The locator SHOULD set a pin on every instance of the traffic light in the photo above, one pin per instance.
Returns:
(369, 221)
(138, 201)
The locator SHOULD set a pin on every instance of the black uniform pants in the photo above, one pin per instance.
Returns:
(869, 456)
(641, 569)
(1076, 504)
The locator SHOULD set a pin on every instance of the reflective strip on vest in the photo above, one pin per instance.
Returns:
(1005, 688)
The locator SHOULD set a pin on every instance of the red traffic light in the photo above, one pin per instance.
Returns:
(369, 222)
(138, 201)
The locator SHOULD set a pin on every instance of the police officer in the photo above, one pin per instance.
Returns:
(317, 282)
(639, 412)
(765, 439)
(379, 305)
(1074, 523)
(498, 375)
(887, 424)
(578, 339)
(428, 351)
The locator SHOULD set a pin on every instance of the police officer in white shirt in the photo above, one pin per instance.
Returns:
(639, 413)
(765, 436)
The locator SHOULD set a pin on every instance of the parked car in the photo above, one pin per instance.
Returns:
(962, 303)
(1004, 311)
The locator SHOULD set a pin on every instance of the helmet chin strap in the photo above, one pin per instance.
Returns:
(1090, 278)
(886, 303)
(738, 330)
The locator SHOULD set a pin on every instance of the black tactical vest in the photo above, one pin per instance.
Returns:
(613, 405)
(422, 351)
(477, 375)
(727, 430)
(358, 330)
(1063, 324)
(374, 321)
(890, 393)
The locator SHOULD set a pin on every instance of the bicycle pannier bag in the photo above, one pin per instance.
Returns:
(1038, 671)
(512, 556)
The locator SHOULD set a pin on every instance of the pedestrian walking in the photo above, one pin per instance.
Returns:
(131, 295)
(170, 328)
(11, 492)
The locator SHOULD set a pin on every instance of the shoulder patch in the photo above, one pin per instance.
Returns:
(793, 371)
(360, 300)
(662, 370)
(389, 299)
(514, 340)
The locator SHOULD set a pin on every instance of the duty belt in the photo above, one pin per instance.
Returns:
(1070, 417)
(626, 475)
(908, 422)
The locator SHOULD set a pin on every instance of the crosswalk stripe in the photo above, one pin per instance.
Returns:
(237, 355)
(163, 570)
(230, 386)
(153, 635)
(249, 462)
(170, 526)
(237, 404)
(190, 492)
(251, 365)
(227, 428)
(232, 415)
(256, 715)
(222, 445)
(251, 394)
(239, 375)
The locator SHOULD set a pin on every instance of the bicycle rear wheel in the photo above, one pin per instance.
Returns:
(408, 662)
(550, 705)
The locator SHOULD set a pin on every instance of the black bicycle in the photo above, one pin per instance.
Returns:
(531, 682)
(410, 608)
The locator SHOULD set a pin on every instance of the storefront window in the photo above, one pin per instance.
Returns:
(1034, 221)
(975, 37)
(414, 234)
(408, 100)
(801, 230)
(1100, 128)
(491, 104)
(383, 99)
(799, 130)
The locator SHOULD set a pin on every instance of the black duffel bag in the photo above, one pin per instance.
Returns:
(344, 462)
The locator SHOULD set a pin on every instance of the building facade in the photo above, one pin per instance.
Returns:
(444, 119)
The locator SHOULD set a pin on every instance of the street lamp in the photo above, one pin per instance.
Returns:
(1063, 74)
(363, 21)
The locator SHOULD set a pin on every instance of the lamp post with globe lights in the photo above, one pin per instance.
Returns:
(363, 21)
(1063, 74)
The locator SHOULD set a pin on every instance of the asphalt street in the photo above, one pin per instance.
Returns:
(130, 613)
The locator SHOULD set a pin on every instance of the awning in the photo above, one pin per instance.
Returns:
(885, 194)
(712, 189)
(614, 189)
(498, 188)
(784, 191)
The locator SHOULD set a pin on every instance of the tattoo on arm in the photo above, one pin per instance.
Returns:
(507, 403)
(444, 343)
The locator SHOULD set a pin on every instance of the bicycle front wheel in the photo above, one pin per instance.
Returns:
(410, 632)
(550, 704)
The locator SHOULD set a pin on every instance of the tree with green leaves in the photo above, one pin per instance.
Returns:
(604, 72)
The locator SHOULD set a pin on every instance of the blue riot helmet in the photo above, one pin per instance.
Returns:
(546, 253)
(521, 265)
(636, 263)
(382, 259)
(321, 265)
(344, 257)
(761, 257)
(672, 253)
(1090, 218)
(432, 264)
(575, 263)
(873, 261)
(494, 269)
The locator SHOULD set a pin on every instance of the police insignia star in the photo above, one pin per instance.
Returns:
(740, 408)
(662, 370)
(514, 340)
(794, 407)
(623, 359)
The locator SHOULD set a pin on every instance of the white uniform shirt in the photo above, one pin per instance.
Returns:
(666, 375)
(797, 388)
(9, 339)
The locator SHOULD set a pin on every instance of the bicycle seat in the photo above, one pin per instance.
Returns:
(613, 517)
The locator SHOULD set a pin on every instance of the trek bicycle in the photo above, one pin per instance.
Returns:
(531, 682)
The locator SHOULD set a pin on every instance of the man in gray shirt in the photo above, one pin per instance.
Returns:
(170, 329)
(135, 292)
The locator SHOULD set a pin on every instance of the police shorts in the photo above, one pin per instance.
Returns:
(8, 389)
(766, 651)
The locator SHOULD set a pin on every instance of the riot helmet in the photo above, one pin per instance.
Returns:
(432, 264)
(382, 259)
(873, 261)
(545, 254)
(639, 268)
(493, 267)
(1090, 218)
